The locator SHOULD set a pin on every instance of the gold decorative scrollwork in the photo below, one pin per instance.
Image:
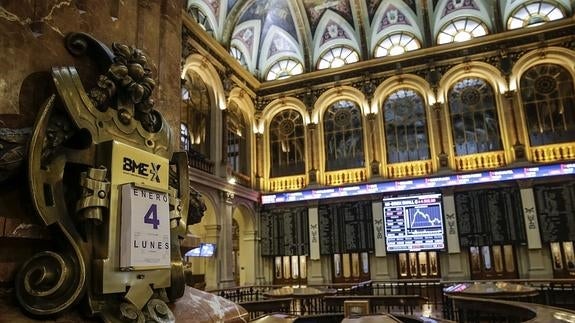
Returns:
(76, 132)
(48, 283)
(130, 313)
(158, 311)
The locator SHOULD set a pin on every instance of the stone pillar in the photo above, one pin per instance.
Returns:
(442, 156)
(454, 265)
(314, 270)
(225, 247)
(374, 162)
(312, 169)
(259, 162)
(248, 265)
(211, 269)
(535, 264)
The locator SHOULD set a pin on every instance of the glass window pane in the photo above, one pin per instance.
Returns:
(474, 118)
(396, 44)
(337, 57)
(287, 144)
(405, 124)
(546, 92)
(196, 114)
(533, 14)
(462, 29)
(343, 135)
(284, 69)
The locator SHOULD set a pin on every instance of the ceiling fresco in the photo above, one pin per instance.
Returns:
(267, 31)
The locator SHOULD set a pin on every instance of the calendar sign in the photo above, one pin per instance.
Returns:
(145, 228)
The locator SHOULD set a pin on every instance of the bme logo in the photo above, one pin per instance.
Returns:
(142, 169)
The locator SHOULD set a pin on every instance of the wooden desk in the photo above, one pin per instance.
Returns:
(497, 290)
(473, 309)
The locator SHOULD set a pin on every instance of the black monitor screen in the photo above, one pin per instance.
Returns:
(413, 223)
(207, 249)
(193, 252)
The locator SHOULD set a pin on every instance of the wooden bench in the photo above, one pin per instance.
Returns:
(407, 302)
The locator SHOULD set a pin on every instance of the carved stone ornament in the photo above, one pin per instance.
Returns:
(91, 153)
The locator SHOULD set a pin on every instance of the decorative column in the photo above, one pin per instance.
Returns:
(442, 156)
(518, 147)
(536, 260)
(258, 161)
(313, 171)
(374, 162)
(457, 265)
(368, 88)
(433, 77)
(225, 247)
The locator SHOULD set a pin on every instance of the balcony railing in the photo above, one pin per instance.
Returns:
(346, 176)
(410, 169)
(489, 160)
(417, 297)
(551, 153)
(201, 162)
(287, 183)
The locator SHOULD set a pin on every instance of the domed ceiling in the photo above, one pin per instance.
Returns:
(260, 33)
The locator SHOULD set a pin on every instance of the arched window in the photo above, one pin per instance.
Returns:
(287, 144)
(534, 14)
(405, 127)
(200, 17)
(196, 114)
(184, 137)
(548, 104)
(337, 57)
(284, 69)
(474, 120)
(460, 30)
(343, 136)
(397, 44)
(237, 131)
(239, 56)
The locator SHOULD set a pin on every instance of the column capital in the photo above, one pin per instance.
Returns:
(227, 197)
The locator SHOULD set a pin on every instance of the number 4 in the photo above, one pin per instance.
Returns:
(151, 216)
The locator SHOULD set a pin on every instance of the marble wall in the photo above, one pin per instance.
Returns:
(32, 34)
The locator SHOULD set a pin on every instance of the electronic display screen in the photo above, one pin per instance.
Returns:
(207, 249)
(204, 250)
(413, 223)
(193, 252)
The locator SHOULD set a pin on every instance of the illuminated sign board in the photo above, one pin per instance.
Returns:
(413, 223)
(422, 183)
